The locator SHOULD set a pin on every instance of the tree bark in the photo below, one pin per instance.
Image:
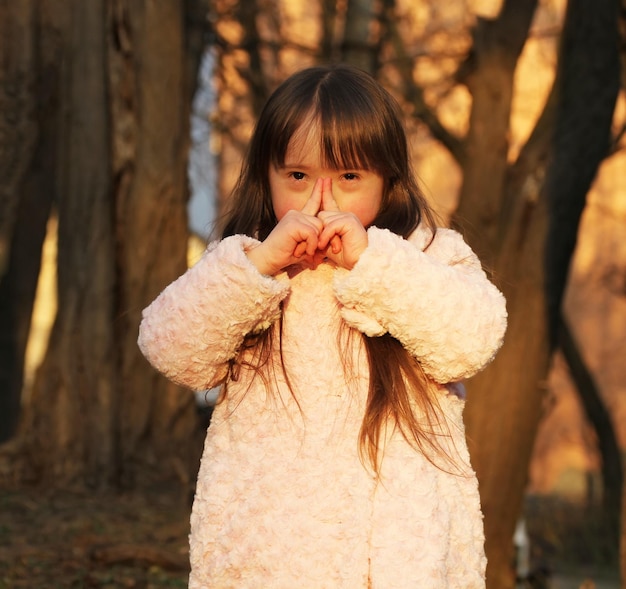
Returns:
(622, 30)
(73, 403)
(151, 107)
(587, 86)
(411, 92)
(24, 204)
(504, 401)
(99, 414)
(17, 117)
(329, 22)
(489, 74)
(359, 47)
(600, 419)
(519, 229)
(247, 15)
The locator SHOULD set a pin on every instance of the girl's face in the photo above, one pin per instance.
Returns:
(356, 191)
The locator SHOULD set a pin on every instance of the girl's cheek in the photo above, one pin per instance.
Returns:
(285, 202)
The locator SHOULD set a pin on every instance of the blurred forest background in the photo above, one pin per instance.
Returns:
(122, 125)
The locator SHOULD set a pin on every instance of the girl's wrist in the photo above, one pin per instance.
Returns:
(256, 255)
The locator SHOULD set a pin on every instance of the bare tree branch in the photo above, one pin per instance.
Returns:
(600, 419)
(412, 92)
(358, 47)
(489, 74)
(587, 85)
(329, 19)
(247, 16)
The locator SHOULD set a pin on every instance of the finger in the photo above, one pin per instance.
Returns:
(335, 244)
(312, 245)
(313, 205)
(332, 231)
(309, 236)
(330, 239)
(300, 249)
(328, 200)
(317, 259)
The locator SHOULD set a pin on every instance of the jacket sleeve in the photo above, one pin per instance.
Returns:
(197, 324)
(436, 300)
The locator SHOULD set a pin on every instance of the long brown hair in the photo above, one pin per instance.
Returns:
(361, 127)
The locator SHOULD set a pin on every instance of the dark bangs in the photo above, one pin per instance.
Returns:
(358, 124)
(357, 131)
(360, 127)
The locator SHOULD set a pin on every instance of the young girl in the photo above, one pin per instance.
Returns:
(337, 319)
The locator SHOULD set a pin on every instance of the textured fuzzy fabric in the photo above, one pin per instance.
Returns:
(283, 500)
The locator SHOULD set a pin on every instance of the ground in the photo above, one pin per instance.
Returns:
(77, 540)
(569, 549)
(71, 540)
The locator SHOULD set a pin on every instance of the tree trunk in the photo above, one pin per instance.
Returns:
(99, 414)
(622, 29)
(247, 14)
(489, 74)
(587, 86)
(24, 203)
(509, 388)
(17, 116)
(359, 47)
(151, 109)
(600, 419)
(73, 403)
(504, 401)
(329, 22)
(518, 229)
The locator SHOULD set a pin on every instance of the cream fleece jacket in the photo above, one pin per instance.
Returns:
(283, 500)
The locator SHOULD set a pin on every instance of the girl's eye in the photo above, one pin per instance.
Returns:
(297, 175)
(351, 176)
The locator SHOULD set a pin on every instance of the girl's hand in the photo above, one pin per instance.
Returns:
(293, 240)
(343, 237)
